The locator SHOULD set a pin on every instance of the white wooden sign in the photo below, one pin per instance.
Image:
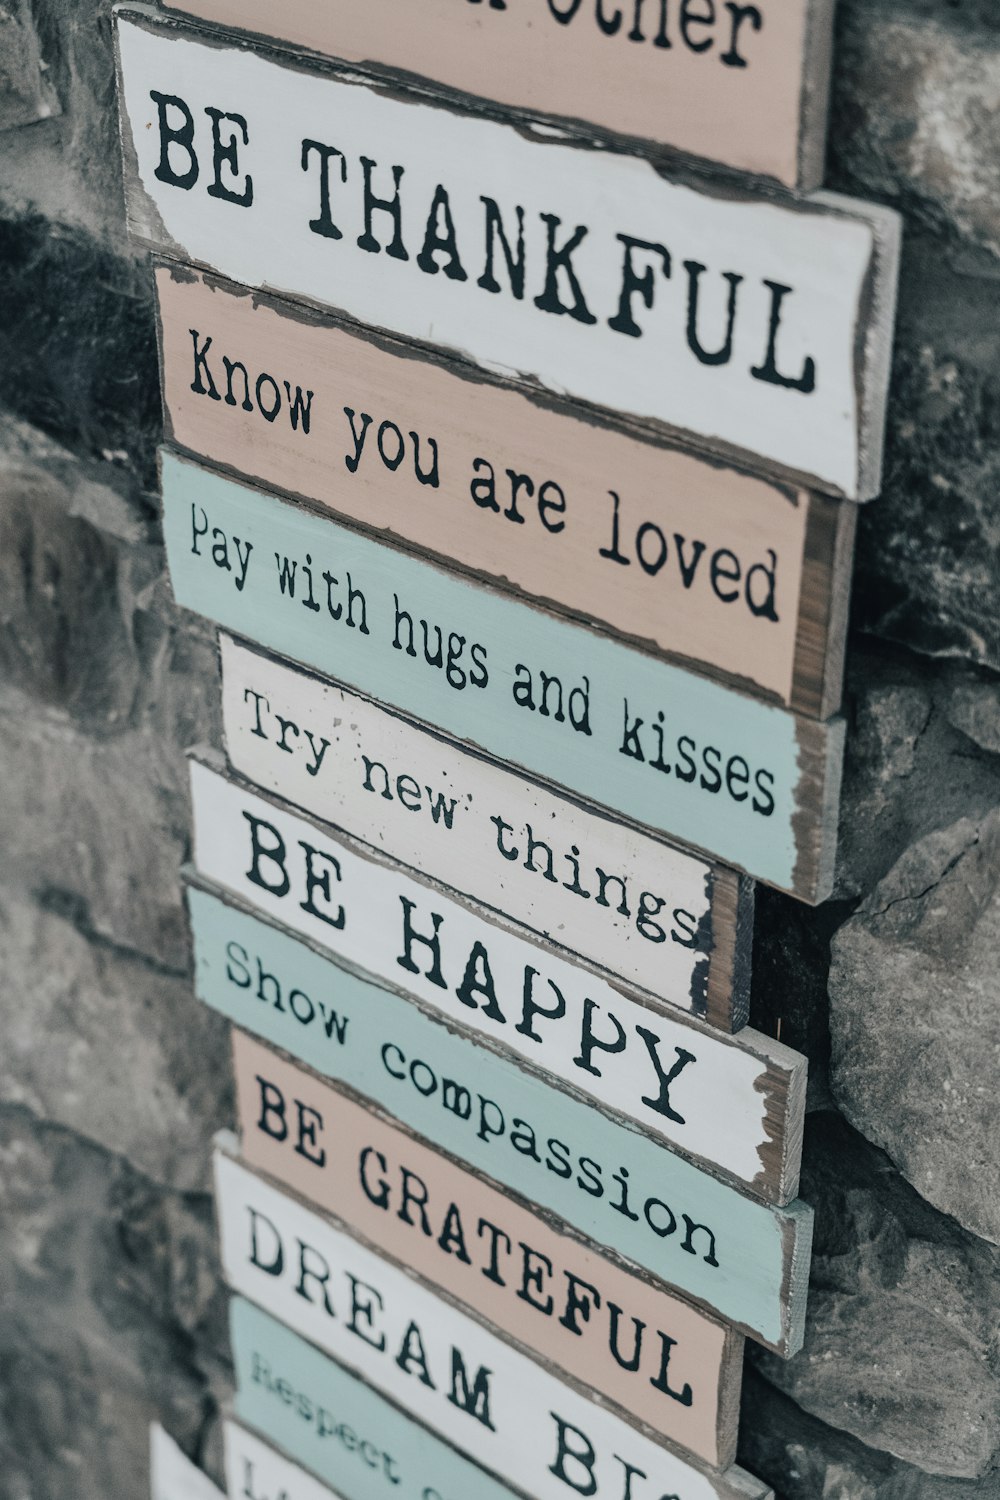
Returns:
(734, 1104)
(172, 1475)
(256, 1471)
(675, 925)
(491, 1401)
(759, 329)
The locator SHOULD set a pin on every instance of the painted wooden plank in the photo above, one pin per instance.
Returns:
(256, 1471)
(734, 1256)
(398, 1195)
(337, 1426)
(737, 1108)
(749, 783)
(172, 1475)
(454, 1374)
(675, 925)
(252, 164)
(742, 85)
(745, 578)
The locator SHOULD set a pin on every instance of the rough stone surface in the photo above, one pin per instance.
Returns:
(95, 1022)
(26, 94)
(914, 124)
(902, 1348)
(77, 341)
(916, 1024)
(112, 1315)
(911, 768)
(103, 684)
(67, 169)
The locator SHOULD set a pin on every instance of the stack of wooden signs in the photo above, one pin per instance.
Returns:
(516, 458)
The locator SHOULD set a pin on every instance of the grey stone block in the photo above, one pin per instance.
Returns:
(910, 768)
(99, 1042)
(112, 1315)
(26, 91)
(901, 1348)
(915, 1019)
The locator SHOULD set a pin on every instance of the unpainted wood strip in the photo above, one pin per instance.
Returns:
(730, 961)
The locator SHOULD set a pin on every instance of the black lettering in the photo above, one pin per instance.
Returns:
(411, 936)
(724, 354)
(634, 283)
(200, 367)
(768, 371)
(515, 264)
(439, 239)
(557, 260)
(733, 58)
(181, 135)
(392, 206)
(472, 1398)
(274, 854)
(324, 224)
(574, 1446)
(226, 154)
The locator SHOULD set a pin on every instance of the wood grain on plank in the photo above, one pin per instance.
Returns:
(742, 85)
(738, 576)
(733, 1255)
(424, 1211)
(754, 328)
(748, 783)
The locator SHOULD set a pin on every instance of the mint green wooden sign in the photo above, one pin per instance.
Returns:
(742, 1258)
(750, 783)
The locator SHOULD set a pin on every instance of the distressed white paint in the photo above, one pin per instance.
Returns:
(364, 1314)
(172, 1475)
(718, 1094)
(322, 769)
(823, 251)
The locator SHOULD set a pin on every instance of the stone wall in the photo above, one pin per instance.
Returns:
(112, 1078)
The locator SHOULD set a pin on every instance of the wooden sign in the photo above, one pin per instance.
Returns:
(744, 85)
(256, 1471)
(736, 1107)
(746, 578)
(734, 1255)
(756, 328)
(495, 1404)
(667, 921)
(749, 783)
(655, 1358)
(337, 1426)
(172, 1475)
